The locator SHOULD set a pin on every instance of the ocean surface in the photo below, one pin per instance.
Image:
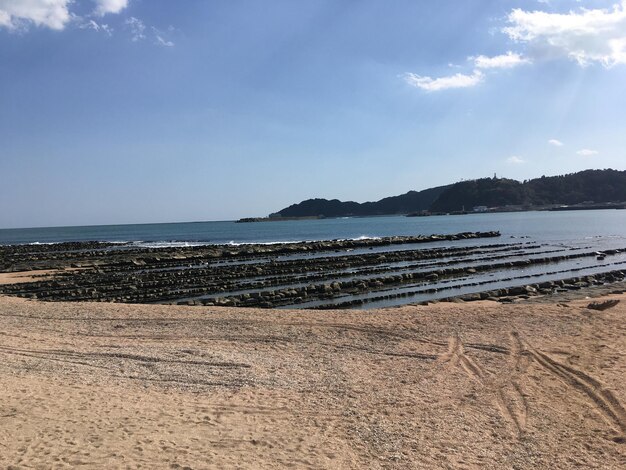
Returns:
(606, 227)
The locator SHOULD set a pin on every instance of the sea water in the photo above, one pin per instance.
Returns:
(601, 228)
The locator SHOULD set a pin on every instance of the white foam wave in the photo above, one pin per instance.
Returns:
(186, 244)
(112, 242)
(234, 243)
(363, 237)
(280, 242)
(171, 244)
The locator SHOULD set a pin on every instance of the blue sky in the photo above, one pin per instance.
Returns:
(131, 111)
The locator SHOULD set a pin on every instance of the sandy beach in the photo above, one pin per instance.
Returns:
(475, 385)
(312, 235)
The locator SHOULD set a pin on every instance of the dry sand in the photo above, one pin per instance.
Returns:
(480, 385)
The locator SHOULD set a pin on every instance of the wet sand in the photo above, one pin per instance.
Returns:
(468, 385)
(21, 277)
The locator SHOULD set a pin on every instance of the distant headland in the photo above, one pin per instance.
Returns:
(589, 189)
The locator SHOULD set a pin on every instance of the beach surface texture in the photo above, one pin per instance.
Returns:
(449, 385)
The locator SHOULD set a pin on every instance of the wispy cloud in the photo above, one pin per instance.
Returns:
(555, 142)
(458, 80)
(515, 160)
(466, 80)
(110, 6)
(160, 37)
(162, 42)
(95, 26)
(504, 61)
(584, 35)
(587, 152)
(137, 28)
(19, 14)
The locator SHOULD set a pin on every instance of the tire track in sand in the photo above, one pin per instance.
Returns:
(455, 356)
(510, 398)
(509, 394)
(603, 400)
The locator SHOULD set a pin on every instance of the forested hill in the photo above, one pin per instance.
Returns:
(403, 204)
(599, 186)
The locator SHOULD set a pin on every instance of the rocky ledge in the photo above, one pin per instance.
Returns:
(321, 274)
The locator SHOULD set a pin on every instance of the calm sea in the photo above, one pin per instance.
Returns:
(602, 228)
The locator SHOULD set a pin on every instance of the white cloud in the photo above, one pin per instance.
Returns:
(94, 25)
(504, 61)
(137, 28)
(19, 15)
(110, 6)
(162, 42)
(458, 80)
(160, 36)
(53, 14)
(461, 80)
(587, 152)
(515, 160)
(584, 35)
(555, 142)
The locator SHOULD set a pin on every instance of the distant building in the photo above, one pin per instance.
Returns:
(480, 208)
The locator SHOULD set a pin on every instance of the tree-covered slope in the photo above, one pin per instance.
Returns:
(413, 201)
(599, 186)
(482, 192)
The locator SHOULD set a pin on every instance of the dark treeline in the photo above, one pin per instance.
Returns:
(403, 204)
(598, 186)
